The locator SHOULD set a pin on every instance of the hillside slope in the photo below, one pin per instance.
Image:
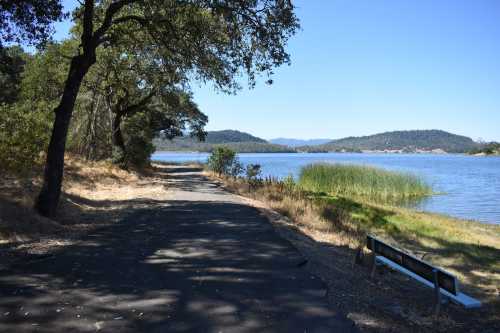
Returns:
(298, 142)
(238, 141)
(406, 141)
(226, 136)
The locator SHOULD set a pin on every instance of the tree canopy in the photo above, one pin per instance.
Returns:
(28, 21)
(12, 61)
(124, 76)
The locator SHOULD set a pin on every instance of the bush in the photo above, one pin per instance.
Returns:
(253, 171)
(24, 135)
(362, 181)
(224, 161)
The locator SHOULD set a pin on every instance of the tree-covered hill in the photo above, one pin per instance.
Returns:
(238, 141)
(226, 136)
(488, 148)
(397, 141)
(298, 142)
(405, 141)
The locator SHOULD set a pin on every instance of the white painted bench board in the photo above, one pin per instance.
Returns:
(461, 298)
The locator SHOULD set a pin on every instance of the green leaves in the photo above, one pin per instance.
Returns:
(24, 135)
(12, 62)
(224, 161)
(138, 140)
(28, 20)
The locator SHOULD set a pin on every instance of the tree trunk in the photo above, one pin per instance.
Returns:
(48, 199)
(117, 139)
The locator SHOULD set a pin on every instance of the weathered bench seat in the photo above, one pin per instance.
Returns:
(444, 283)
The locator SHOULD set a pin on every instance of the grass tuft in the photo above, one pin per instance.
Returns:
(362, 181)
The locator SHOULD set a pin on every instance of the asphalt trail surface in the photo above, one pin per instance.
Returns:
(199, 261)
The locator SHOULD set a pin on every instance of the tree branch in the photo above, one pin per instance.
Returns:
(88, 25)
(135, 107)
(141, 20)
(111, 11)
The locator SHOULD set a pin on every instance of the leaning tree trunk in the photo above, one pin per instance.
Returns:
(48, 199)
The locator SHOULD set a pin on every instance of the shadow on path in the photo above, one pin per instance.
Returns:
(182, 266)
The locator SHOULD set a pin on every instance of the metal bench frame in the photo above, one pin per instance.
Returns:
(452, 294)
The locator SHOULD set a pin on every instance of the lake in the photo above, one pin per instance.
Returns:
(470, 185)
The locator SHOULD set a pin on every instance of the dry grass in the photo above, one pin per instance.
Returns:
(94, 194)
(338, 227)
(101, 181)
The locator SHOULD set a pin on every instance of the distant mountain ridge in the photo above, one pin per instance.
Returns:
(402, 141)
(413, 141)
(238, 141)
(227, 136)
(299, 142)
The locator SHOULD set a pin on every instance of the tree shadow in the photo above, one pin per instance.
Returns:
(185, 266)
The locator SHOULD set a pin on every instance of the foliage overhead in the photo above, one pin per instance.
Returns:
(28, 21)
(205, 40)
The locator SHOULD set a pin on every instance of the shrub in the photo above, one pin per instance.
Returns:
(224, 161)
(253, 171)
(24, 135)
(362, 181)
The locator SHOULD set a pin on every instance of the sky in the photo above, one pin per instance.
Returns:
(361, 67)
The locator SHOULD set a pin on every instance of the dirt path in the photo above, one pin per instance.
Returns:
(199, 261)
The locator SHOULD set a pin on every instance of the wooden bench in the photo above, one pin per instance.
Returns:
(443, 283)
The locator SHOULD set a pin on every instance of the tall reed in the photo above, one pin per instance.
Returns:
(362, 181)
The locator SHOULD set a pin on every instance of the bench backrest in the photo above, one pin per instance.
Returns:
(446, 280)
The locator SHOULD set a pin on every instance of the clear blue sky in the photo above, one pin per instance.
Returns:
(362, 67)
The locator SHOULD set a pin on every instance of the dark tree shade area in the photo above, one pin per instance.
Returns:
(12, 62)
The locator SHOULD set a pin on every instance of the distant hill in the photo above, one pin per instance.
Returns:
(298, 142)
(239, 141)
(397, 141)
(404, 141)
(227, 136)
(487, 148)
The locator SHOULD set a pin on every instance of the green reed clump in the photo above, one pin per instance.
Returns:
(362, 181)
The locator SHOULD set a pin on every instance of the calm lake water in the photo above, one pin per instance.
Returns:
(470, 185)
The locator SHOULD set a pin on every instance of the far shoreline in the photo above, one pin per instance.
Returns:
(318, 152)
(371, 152)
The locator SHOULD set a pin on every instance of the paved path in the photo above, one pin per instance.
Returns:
(201, 261)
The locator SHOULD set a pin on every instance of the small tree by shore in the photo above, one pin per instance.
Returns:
(224, 161)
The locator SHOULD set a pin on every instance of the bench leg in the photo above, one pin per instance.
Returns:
(437, 294)
(374, 260)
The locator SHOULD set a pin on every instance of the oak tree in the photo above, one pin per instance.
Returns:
(205, 39)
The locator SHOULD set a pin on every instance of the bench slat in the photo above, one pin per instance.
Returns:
(463, 299)
(418, 267)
